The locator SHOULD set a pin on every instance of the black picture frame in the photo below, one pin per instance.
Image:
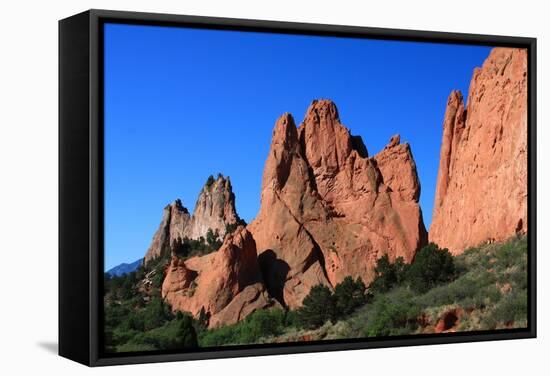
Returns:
(81, 185)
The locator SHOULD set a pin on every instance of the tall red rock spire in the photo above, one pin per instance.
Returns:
(328, 210)
(481, 192)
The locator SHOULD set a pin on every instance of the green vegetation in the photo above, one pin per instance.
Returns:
(432, 266)
(186, 335)
(484, 288)
(260, 324)
(486, 285)
(388, 275)
(318, 307)
(231, 227)
(393, 314)
(321, 305)
(178, 333)
(349, 295)
(135, 316)
(143, 322)
(186, 248)
(213, 239)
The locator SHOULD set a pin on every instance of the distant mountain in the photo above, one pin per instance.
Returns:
(124, 268)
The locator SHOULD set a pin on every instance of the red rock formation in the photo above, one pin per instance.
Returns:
(226, 284)
(214, 209)
(481, 192)
(328, 210)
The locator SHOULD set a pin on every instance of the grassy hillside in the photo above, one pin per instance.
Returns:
(482, 289)
(488, 290)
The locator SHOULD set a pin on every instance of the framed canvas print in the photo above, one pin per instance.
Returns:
(240, 187)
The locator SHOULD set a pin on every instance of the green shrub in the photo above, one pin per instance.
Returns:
(126, 289)
(475, 289)
(388, 275)
(349, 295)
(180, 248)
(393, 315)
(511, 309)
(113, 314)
(230, 228)
(121, 335)
(155, 314)
(186, 335)
(158, 278)
(265, 323)
(224, 335)
(291, 319)
(186, 248)
(462, 288)
(431, 266)
(511, 253)
(321, 305)
(212, 239)
(260, 324)
(518, 277)
(317, 307)
(176, 334)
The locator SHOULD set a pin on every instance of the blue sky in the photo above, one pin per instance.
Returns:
(181, 104)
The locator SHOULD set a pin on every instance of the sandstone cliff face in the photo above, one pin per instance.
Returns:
(226, 284)
(214, 209)
(328, 210)
(175, 218)
(481, 192)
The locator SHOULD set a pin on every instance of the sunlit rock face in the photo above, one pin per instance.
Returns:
(481, 193)
(226, 285)
(328, 210)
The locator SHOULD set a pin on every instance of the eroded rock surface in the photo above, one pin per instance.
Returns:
(227, 284)
(328, 210)
(481, 193)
